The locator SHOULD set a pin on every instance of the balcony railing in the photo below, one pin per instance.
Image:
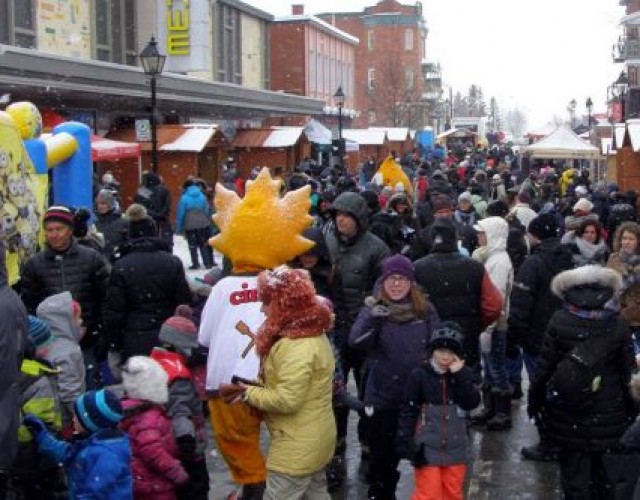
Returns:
(626, 48)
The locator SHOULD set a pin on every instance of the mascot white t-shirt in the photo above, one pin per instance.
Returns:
(230, 321)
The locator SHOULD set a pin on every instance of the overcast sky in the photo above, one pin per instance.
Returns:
(535, 55)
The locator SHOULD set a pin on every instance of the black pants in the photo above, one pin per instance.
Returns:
(197, 488)
(383, 462)
(198, 239)
(350, 360)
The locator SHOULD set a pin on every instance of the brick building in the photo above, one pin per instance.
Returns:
(312, 58)
(389, 80)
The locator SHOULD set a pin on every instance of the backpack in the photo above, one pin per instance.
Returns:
(576, 379)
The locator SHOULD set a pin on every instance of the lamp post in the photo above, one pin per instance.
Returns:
(339, 99)
(589, 105)
(152, 63)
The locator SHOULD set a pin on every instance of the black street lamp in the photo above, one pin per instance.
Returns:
(339, 99)
(589, 105)
(152, 63)
(619, 90)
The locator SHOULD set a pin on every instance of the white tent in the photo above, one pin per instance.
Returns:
(562, 143)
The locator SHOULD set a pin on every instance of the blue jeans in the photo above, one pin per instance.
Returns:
(495, 362)
(514, 366)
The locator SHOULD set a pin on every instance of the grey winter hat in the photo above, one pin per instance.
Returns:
(180, 331)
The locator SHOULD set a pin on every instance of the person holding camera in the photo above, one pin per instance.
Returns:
(438, 446)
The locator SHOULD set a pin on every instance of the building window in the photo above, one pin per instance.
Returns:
(408, 39)
(371, 79)
(372, 117)
(229, 45)
(115, 29)
(370, 39)
(408, 79)
(18, 23)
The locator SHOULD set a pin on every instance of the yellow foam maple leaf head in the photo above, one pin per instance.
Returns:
(261, 230)
(392, 173)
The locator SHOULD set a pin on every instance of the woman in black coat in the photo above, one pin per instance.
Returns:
(587, 429)
(147, 284)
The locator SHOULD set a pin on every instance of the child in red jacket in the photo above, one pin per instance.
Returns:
(155, 462)
(179, 338)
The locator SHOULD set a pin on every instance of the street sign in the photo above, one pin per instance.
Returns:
(143, 130)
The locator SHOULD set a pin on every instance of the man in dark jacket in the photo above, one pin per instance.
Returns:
(533, 304)
(110, 223)
(459, 288)
(356, 255)
(156, 198)
(64, 265)
(13, 333)
(147, 284)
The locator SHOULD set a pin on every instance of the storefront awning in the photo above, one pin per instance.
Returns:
(192, 140)
(283, 137)
(365, 137)
(108, 150)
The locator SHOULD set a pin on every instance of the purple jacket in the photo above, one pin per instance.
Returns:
(394, 350)
(155, 465)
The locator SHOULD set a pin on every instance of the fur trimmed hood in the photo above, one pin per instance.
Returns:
(145, 379)
(586, 275)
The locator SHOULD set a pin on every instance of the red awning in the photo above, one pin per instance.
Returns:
(109, 150)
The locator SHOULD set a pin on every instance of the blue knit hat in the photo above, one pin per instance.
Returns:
(39, 331)
(98, 410)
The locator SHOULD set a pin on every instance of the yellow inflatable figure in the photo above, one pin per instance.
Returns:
(262, 230)
(257, 232)
(392, 174)
(19, 208)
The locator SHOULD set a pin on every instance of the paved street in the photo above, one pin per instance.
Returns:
(498, 470)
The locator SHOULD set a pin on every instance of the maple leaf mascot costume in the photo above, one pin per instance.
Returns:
(260, 231)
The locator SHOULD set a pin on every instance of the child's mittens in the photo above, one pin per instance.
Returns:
(35, 425)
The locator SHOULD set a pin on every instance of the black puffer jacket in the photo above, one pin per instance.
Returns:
(81, 271)
(356, 261)
(532, 303)
(601, 426)
(114, 229)
(147, 284)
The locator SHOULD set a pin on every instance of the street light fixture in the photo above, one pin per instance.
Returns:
(619, 90)
(153, 63)
(339, 100)
(589, 105)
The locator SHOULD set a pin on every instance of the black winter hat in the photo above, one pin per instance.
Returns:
(497, 209)
(544, 226)
(447, 336)
(443, 235)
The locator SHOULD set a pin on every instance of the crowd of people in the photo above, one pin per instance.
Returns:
(434, 299)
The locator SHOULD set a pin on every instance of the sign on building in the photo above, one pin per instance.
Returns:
(184, 34)
(143, 130)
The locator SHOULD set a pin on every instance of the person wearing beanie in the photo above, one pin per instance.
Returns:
(98, 461)
(582, 211)
(532, 305)
(64, 264)
(586, 417)
(146, 285)
(459, 287)
(179, 339)
(393, 329)
(441, 386)
(155, 453)
(85, 231)
(295, 391)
